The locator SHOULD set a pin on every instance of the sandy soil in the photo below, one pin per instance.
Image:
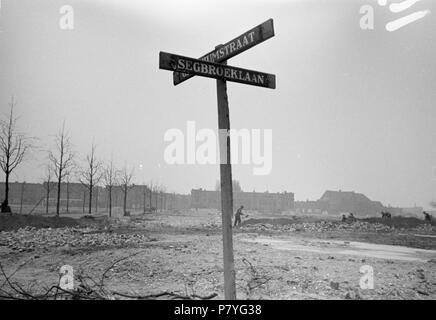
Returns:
(182, 253)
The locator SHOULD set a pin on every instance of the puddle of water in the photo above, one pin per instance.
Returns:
(424, 235)
(418, 235)
(380, 251)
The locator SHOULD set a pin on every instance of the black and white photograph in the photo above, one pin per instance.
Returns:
(198, 151)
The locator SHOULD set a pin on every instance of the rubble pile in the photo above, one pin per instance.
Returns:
(29, 238)
(325, 226)
(425, 228)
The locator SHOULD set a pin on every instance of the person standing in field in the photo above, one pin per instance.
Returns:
(427, 216)
(238, 215)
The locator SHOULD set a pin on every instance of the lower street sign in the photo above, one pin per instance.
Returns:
(173, 62)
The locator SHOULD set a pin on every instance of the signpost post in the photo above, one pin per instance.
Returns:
(226, 189)
(214, 65)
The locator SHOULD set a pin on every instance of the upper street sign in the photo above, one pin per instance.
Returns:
(234, 47)
(192, 66)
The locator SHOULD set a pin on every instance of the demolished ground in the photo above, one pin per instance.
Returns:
(178, 254)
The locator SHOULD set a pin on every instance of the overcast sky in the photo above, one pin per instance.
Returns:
(353, 109)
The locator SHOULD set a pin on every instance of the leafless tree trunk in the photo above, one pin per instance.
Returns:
(62, 161)
(156, 190)
(47, 199)
(151, 194)
(116, 200)
(49, 172)
(110, 179)
(91, 174)
(163, 189)
(160, 191)
(109, 190)
(144, 197)
(13, 147)
(126, 185)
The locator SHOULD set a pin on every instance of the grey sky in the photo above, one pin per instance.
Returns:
(353, 109)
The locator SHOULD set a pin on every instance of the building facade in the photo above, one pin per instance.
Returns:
(75, 197)
(259, 201)
(338, 202)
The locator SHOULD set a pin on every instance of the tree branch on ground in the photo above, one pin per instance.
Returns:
(87, 289)
(256, 279)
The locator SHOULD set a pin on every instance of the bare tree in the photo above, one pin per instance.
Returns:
(67, 209)
(69, 171)
(110, 179)
(13, 147)
(162, 190)
(126, 184)
(144, 195)
(62, 160)
(91, 175)
(68, 194)
(433, 204)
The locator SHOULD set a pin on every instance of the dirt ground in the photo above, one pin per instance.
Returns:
(276, 256)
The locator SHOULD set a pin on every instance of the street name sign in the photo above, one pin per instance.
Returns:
(174, 62)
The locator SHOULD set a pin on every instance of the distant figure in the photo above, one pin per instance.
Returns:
(238, 215)
(386, 215)
(427, 217)
(5, 208)
(350, 217)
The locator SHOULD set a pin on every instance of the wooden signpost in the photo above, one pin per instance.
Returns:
(214, 65)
